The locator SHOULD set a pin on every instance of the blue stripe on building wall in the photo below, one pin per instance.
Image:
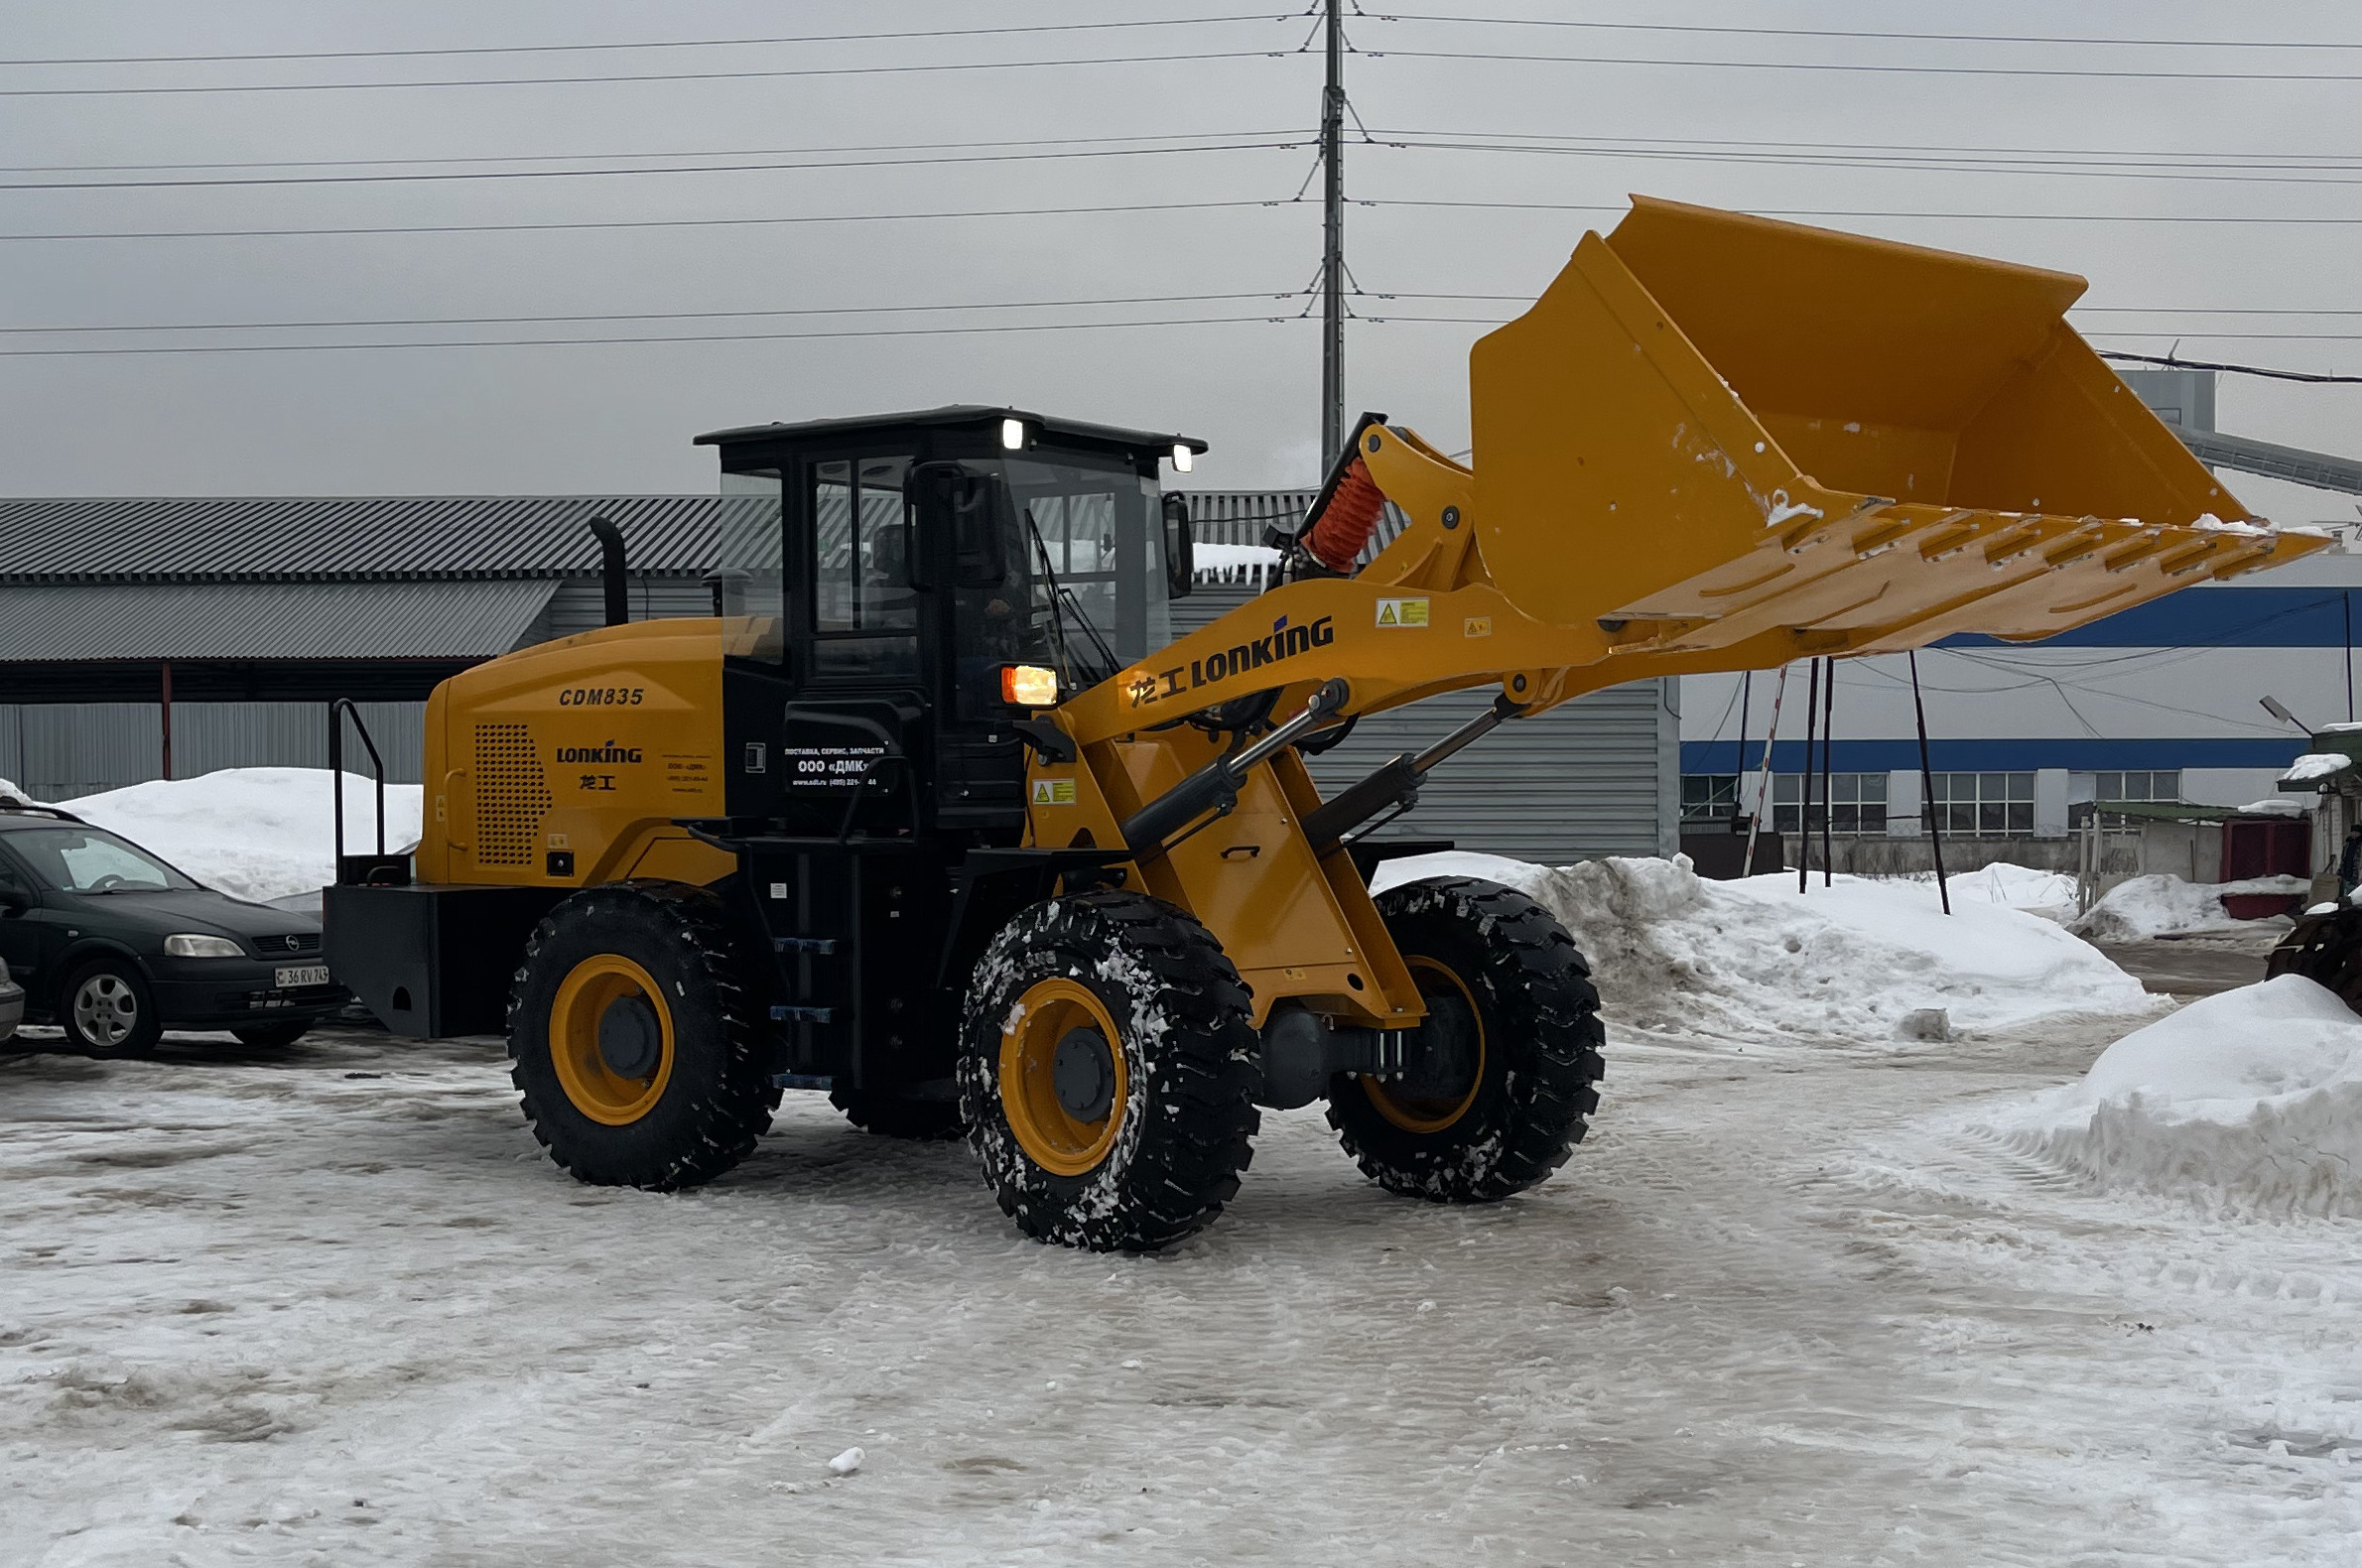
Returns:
(2225, 617)
(1993, 756)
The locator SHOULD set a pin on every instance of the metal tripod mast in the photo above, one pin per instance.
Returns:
(1332, 152)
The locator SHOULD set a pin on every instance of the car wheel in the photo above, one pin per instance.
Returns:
(107, 1010)
(273, 1036)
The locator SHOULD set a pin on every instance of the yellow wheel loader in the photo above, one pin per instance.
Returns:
(934, 815)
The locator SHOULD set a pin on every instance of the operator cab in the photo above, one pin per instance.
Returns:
(912, 561)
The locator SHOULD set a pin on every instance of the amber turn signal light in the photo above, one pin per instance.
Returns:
(1029, 686)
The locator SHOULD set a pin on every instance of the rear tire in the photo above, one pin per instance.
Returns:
(1498, 969)
(272, 1036)
(891, 1116)
(632, 1044)
(107, 1010)
(1108, 1072)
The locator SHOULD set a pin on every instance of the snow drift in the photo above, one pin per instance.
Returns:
(261, 833)
(1864, 960)
(2165, 905)
(2249, 1100)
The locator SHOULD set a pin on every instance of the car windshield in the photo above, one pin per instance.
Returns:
(82, 859)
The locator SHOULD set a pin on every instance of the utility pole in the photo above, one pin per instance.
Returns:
(1332, 154)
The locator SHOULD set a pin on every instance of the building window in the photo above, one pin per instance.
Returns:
(1985, 805)
(1709, 796)
(2161, 785)
(1857, 802)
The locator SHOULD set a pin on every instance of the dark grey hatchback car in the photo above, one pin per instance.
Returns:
(113, 945)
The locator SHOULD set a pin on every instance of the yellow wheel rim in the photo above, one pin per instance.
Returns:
(1413, 1115)
(1051, 1135)
(597, 1089)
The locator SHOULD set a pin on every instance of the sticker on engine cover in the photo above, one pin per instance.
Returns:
(1053, 792)
(1402, 612)
(828, 767)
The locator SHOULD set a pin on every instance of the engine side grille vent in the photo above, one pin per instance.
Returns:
(511, 797)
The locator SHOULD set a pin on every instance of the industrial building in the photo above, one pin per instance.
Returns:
(163, 638)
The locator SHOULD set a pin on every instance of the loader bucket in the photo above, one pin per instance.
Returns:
(1713, 426)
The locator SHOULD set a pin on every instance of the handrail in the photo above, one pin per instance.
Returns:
(338, 708)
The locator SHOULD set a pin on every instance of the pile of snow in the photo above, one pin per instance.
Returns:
(2047, 894)
(1867, 960)
(2273, 807)
(2249, 1100)
(2165, 905)
(261, 833)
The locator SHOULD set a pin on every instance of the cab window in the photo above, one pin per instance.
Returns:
(864, 612)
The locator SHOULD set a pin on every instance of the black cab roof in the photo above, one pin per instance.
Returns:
(951, 414)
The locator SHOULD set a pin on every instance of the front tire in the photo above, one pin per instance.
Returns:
(630, 1038)
(1503, 1077)
(1108, 1072)
(107, 1010)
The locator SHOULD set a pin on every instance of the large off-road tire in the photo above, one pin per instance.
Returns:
(892, 1116)
(1108, 1072)
(1503, 1067)
(632, 1042)
(107, 1009)
(2325, 949)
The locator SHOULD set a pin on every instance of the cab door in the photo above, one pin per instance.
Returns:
(855, 743)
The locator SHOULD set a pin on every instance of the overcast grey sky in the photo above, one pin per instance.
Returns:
(617, 417)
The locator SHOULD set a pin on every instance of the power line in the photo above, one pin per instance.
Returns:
(2171, 362)
(1994, 218)
(1864, 67)
(655, 316)
(2088, 310)
(2241, 173)
(183, 88)
(666, 168)
(668, 42)
(652, 223)
(964, 145)
(698, 337)
(1849, 33)
(2276, 159)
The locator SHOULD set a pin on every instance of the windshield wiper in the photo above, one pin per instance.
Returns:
(1062, 598)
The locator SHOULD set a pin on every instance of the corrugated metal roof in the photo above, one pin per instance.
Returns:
(297, 537)
(56, 623)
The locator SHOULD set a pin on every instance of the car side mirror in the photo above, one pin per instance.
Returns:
(1180, 548)
(14, 900)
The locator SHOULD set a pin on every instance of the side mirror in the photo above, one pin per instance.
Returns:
(1180, 548)
(962, 508)
(14, 900)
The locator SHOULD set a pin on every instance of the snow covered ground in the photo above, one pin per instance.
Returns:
(262, 833)
(335, 1309)
(1808, 1295)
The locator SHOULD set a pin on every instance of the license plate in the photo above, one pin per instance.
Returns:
(301, 974)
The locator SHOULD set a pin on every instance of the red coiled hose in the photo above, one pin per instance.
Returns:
(1343, 526)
